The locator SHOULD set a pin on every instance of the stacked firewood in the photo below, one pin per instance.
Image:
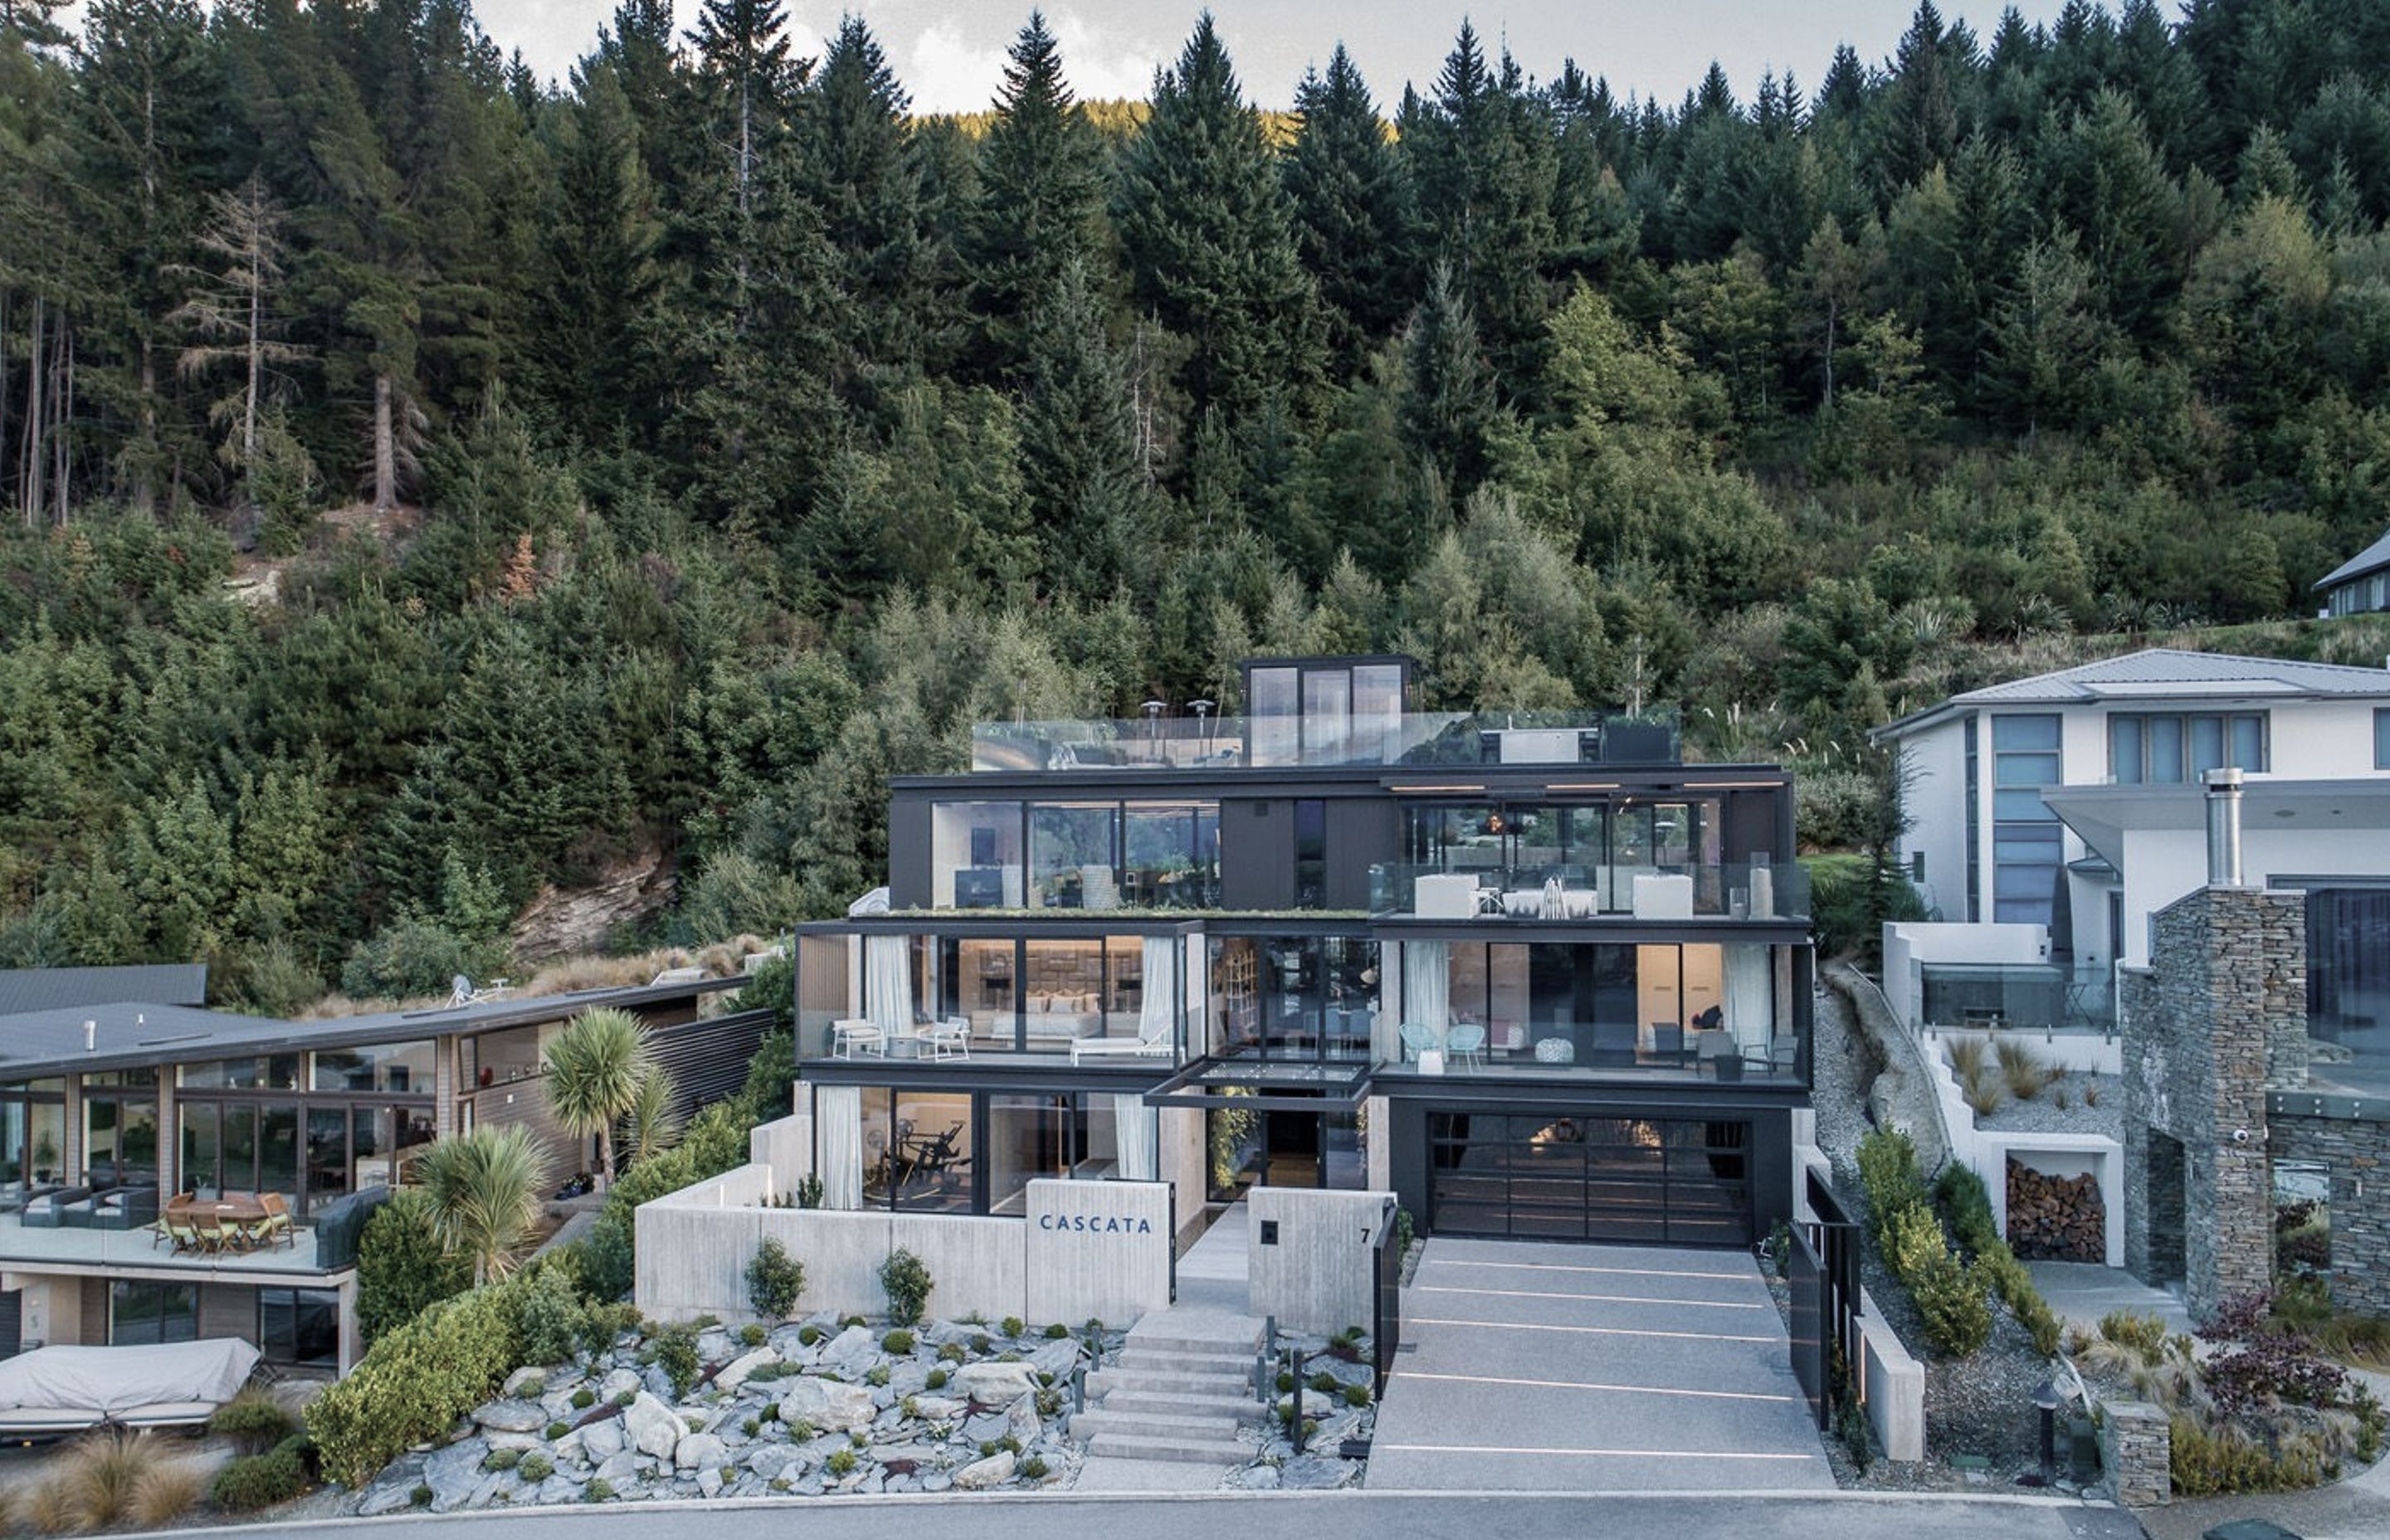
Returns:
(2061, 1218)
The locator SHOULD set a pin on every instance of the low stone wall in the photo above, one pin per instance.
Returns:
(1088, 1251)
(2137, 1453)
(1314, 1265)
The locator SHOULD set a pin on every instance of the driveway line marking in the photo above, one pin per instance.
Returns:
(1594, 1298)
(1615, 1453)
(1595, 1331)
(1588, 1385)
(1575, 1267)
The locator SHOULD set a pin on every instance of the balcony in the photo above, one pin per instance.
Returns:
(1497, 895)
(1417, 739)
(37, 1248)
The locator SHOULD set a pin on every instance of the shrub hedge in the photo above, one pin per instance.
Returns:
(251, 1481)
(419, 1379)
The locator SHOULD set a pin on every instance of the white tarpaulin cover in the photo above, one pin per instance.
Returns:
(119, 1378)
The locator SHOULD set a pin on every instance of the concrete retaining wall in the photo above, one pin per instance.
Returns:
(787, 1146)
(1892, 1381)
(1985, 1151)
(694, 1246)
(1315, 1268)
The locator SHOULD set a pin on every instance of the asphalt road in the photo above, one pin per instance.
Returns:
(1283, 1516)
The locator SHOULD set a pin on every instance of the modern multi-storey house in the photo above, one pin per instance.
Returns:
(2054, 815)
(1530, 971)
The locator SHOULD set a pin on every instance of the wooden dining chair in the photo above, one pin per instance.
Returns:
(279, 1231)
(209, 1232)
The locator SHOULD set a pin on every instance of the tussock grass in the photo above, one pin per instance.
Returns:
(2027, 1073)
(165, 1492)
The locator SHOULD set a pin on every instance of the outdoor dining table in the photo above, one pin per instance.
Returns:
(235, 1218)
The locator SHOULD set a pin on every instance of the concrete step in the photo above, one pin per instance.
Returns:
(1169, 1339)
(1239, 1408)
(1185, 1363)
(1165, 1382)
(1098, 1421)
(1182, 1451)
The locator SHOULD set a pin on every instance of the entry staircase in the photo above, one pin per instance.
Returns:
(1180, 1389)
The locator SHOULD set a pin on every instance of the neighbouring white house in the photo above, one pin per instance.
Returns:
(2359, 585)
(2054, 815)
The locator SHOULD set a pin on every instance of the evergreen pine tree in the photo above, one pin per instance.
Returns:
(1348, 216)
(1205, 223)
(1448, 402)
(1040, 201)
(1079, 454)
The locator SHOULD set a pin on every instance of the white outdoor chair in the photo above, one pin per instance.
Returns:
(855, 1037)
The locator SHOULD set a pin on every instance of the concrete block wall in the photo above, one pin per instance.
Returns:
(1320, 1274)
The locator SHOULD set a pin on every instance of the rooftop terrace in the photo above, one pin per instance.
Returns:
(1389, 740)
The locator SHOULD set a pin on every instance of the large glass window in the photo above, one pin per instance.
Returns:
(1064, 998)
(1275, 727)
(141, 1314)
(975, 855)
(1074, 855)
(500, 1057)
(2174, 748)
(1310, 853)
(400, 1067)
(120, 1132)
(1028, 1137)
(2381, 738)
(273, 1073)
(1326, 716)
(1974, 828)
(299, 1327)
(2348, 985)
(33, 1140)
(1705, 1011)
(2028, 840)
(1174, 855)
(917, 1149)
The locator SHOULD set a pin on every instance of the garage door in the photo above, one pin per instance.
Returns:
(1564, 1176)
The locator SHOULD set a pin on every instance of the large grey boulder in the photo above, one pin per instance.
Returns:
(850, 1353)
(616, 1383)
(937, 1408)
(827, 1404)
(453, 1474)
(980, 1475)
(995, 1384)
(601, 1441)
(701, 1452)
(1021, 1422)
(653, 1428)
(512, 1417)
(521, 1381)
(1057, 1359)
(734, 1374)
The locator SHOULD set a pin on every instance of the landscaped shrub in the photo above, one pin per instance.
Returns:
(401, 1268)
(607, 1266)
(419, 1379)
(1888, 1173)
(551, 1317)
(752, 1336)
(715, 1141)
(675, 1349)
(1958, 1322)
(774, 1280)
(599, 1490)
(253, 1481)
(253, 1420)
(2026, 1074)
(897, 1342)
(498, 1460)
(164, 1493)
(907, 1280)
(535, 1467)
(1966, 1207)
(94, 1483)
(1012, 1326)
(936, 1379)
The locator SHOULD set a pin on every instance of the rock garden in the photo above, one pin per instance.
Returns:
(820, 1406)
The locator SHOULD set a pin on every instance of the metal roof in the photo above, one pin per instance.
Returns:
(2171, 673)
(136, 1033)
(2369, 561)
(23, 989)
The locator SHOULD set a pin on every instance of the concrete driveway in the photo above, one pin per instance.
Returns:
(1601, 1368)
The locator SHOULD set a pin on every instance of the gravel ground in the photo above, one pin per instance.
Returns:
(2095, 1104)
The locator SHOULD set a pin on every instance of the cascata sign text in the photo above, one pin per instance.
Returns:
(1095, 1224)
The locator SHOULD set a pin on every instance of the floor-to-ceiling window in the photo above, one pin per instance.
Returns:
(2349, 984)
(33, 1140)
(2027, 840)
(317, 1131)
(1304, 997)
(119, 1123)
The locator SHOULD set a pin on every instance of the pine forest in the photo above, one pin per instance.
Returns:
(431, 490)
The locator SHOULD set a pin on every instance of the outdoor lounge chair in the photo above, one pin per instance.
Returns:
(1466, 1042)
(1153, 1042)
(1418, 1038)
(949, 1038)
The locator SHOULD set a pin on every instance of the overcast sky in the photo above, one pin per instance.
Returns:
(950, 53)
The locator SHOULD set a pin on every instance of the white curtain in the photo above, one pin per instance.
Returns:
(1750, 997)
(1427, 984)
(838, 1124)
(1135, 1137)
(1155, 1019)
(888, 984)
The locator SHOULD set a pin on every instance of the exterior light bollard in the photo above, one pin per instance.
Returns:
(1079, 1388)
(1294, 1423)
(2046, 1400)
